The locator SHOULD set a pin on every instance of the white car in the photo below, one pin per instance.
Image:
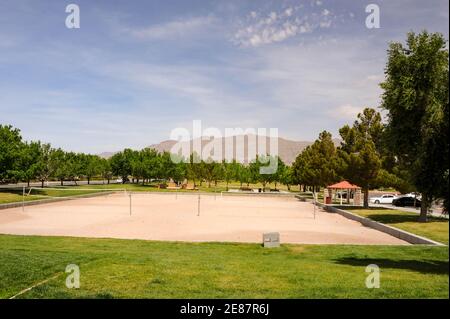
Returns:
(383, 199)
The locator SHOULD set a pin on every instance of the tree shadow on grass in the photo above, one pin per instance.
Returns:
(437, 267)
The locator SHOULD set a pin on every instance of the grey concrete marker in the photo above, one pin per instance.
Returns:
(271, 240)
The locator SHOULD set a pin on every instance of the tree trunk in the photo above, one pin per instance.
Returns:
(227, 186)
(423, 217)
(28, 183)
(42, 183)
(108, 181)
(62, 182)
(366, 197)
(89, 180)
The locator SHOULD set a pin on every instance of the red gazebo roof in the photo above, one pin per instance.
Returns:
(343, 185)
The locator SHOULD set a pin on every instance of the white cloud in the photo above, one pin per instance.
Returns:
(176, 28)
(346, 112)
(279, 26)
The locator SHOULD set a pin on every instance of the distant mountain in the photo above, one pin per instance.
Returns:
(287, 149)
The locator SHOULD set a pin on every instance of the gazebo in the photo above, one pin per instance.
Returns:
(331, 190)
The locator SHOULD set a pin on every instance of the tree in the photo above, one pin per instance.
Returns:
(360, 160)
(91, 166)
(44, 168)
(105, 169)
(59, 162)
(229, 171)
(26, 164)
(279, 176)
(317, 165)
(194, 168)
(10, 148)
(154, 165)
(287, 177)
(243, 174)
(416, 98)
(121, 164)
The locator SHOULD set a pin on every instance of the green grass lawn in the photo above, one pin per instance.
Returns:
(436, 228)
(112, 268)
(15, 195)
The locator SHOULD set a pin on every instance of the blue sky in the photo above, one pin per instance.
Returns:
(137, 69)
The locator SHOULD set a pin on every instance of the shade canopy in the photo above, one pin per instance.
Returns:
(343, 185)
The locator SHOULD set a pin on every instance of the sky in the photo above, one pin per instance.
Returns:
(136, 70)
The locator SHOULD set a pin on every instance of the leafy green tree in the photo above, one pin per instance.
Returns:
(60, 165)
(243, 174)
(105, 169)
(137, 163)
(229, 171)
(208, 168)
(91, 166)
(121, 164)
(416, 98)
(44, 167)
(279, 176)
(10, 149)
(287, 177)
(26, 164)
(317, 165)
(217, 173)
(360, 160)
(155, 165)
(178, 169)
(195, 168)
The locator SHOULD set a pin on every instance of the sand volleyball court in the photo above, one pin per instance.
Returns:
(177, 217)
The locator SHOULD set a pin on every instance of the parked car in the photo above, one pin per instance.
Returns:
(383, 199)
(406, 201)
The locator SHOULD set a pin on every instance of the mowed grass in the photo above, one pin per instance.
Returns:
(220, 187)
(112, 268)
(15, 195)
(435, 228)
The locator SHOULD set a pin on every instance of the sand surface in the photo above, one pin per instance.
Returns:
(175, 218)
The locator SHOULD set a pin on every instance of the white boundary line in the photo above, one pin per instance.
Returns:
(36, 285)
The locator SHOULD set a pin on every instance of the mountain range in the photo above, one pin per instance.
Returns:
(287, 149)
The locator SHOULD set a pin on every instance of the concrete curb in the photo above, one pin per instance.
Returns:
(51, 200)
(401, 234)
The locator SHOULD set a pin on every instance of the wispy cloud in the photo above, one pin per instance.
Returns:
(172, 29)
(276, 26)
